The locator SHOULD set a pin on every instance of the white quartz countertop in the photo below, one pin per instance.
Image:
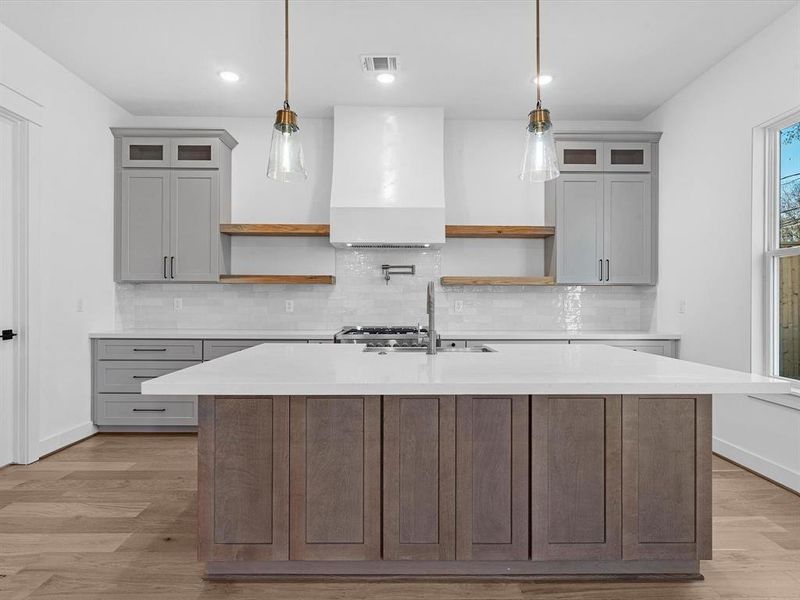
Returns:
(216, 334)
(327, 334)
(343, 369)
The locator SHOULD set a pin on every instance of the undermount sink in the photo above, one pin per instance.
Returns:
(423, 349)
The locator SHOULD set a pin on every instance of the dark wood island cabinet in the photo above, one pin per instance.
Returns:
(444, 486)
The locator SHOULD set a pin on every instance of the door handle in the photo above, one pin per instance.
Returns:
(7, 334)
(601, 269)
(149, 410)
(165, 267)
(143, 376)
(608, 269)
(172, 267)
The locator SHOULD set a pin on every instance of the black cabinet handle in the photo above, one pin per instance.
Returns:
(7, 334)
(608, 269)
(143, 376)
(149, 349)
(172, 267)
(165, 267)
(149, 410)
(601, 269)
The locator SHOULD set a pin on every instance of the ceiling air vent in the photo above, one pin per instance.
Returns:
(385, 63)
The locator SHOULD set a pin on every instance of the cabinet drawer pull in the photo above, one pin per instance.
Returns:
(608, 269)
(172, 267)
(601, 269)
(149, 410)
(165, 267)
(144, 376)
(149, 349)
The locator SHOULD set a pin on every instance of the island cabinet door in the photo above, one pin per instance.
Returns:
(492, 478)
(666, 477)
(575, 478)
(419, 446)
(335, 478)
(243, 496)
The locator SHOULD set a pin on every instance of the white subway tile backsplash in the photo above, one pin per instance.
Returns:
(361, 296)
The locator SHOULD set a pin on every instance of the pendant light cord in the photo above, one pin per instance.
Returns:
(538, 62)
(286, 54)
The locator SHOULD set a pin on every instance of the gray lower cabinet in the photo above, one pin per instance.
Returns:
(119, 366)
(660, 347)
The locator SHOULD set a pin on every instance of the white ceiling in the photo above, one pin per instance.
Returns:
(611, 59)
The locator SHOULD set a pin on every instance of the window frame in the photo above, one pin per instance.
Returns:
(773, 251)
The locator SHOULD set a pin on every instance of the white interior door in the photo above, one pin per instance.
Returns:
(7, 312)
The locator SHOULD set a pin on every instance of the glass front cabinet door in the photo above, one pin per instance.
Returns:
(195, 153)
(627, 156)
(580, 156)
(144, 152)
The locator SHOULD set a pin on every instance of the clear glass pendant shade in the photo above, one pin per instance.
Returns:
(286, 161)
(540, 162)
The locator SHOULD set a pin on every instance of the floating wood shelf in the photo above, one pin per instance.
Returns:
(276, 229)
(499, 231)
(280, 279)
(498, 280)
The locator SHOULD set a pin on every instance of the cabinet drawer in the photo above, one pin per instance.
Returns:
(123, 376)
(134, 409)
(215, 348)
(149, 349)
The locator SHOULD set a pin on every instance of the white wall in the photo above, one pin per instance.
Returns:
(71, 233)
(706, 227)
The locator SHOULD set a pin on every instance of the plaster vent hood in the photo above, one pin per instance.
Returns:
(388, 177)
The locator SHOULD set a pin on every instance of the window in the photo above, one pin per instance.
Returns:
(783, 249)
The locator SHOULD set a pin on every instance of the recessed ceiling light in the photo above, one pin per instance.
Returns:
(385, 78)
(543, 80)
(229, 76)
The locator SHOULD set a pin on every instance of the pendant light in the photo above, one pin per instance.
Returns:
(540, 162)
(286, 152)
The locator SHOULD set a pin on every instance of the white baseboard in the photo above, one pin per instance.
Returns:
(65, 438)
(759, 464)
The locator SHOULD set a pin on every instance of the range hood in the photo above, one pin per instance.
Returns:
(388, 177)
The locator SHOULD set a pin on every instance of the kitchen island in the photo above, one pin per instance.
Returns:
(529, 461)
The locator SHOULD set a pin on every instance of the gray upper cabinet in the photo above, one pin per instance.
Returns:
(194, 226)
(606, 209)
(627, 228)
(143, 240)
(172, 191)
(579, 232)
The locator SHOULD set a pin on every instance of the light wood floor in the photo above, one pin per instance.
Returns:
(114, 518)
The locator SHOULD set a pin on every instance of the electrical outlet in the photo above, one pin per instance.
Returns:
(682, 306)
(459, 306)
(177, 303)
(288, 306)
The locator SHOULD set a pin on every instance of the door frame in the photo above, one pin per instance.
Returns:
(26, 118)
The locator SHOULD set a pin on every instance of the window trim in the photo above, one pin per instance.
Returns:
(772, 251)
